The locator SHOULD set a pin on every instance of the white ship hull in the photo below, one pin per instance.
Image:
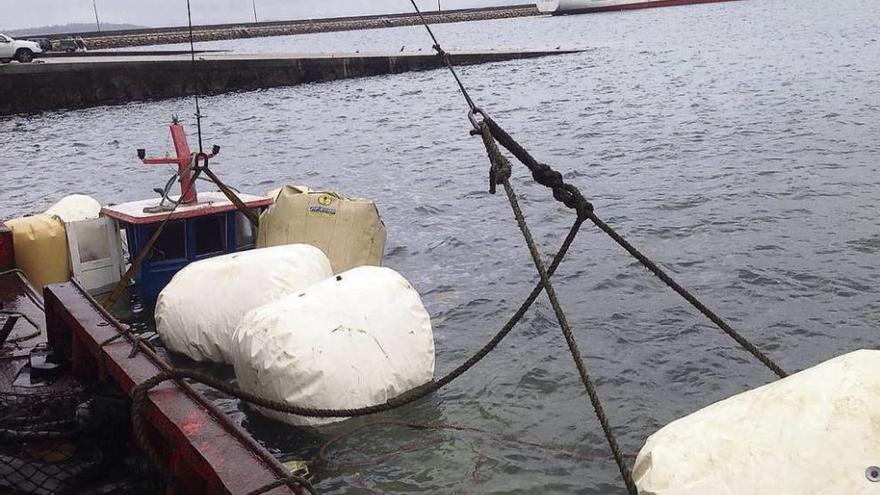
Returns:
(561, 7)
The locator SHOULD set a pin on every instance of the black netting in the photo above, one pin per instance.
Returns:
(40, 451)
(69, 441)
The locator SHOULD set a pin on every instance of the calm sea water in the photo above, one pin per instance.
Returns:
(738, 144)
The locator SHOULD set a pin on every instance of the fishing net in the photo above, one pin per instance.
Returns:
(68, 441)
(39, 449)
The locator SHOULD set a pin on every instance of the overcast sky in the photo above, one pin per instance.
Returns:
(20, 14)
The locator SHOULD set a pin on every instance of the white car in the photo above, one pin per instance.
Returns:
(21, 50)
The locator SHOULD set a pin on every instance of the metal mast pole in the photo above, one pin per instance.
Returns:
(254, 4)
(97, 21)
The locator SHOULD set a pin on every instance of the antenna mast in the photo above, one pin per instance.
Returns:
(97, 21)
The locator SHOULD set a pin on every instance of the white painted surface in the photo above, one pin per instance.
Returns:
(96, 256)
(207, 200)
(75, 208)
(198, 311)
(813, 433)
(354, 340)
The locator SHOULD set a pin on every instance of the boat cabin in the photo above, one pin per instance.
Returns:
(212, 226)
(200, 225)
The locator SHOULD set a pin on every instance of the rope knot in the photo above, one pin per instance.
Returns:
(441, 52)
(566, 194)
(500, 169)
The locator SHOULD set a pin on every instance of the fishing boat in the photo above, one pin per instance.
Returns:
(69, 367)
(66, 381)
(565, 7)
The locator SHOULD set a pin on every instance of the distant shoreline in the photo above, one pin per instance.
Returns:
(175, 35)
(57, 30)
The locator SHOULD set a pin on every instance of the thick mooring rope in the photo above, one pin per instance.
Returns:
(445, 57)
(293, 481)
(500, 174)
(140, 392)
(233, 198)
(571, 197)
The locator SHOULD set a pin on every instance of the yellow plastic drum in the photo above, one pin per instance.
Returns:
(40, 246)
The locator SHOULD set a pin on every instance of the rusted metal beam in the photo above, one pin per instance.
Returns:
(203, 448)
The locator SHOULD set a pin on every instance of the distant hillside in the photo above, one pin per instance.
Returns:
(70, 28)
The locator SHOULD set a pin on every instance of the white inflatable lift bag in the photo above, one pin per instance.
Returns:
(354, 340)
(348, 230)
(75, 208)
(198, 311)
(816, 432)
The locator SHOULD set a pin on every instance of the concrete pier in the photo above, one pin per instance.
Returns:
(180, 34)
(89, 81)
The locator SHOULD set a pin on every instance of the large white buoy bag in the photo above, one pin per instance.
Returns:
(354, 340)
(198, 311)
(75, 208)
(813, 433)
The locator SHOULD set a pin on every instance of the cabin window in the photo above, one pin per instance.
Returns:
(210, 235)
(171, 244)
(245, 234)
(92, 241)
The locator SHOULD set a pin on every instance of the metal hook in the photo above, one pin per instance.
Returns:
(472, 116)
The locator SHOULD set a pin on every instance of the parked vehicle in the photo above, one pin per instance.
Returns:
(45, 43)
(69, 45)
(20, 50)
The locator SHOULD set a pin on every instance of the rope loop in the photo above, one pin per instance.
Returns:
(201, 156)
(500, 169)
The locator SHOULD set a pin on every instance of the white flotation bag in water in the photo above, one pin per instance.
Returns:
(198, 311)
(75, 208)
(813, 433)
(348, 230)
(354, 340)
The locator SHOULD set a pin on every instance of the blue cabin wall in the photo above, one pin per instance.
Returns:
(154, 274)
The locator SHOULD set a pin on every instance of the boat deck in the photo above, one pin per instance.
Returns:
(200, 446)
(21, 308)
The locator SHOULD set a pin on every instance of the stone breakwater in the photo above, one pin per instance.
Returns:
(161, 36)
